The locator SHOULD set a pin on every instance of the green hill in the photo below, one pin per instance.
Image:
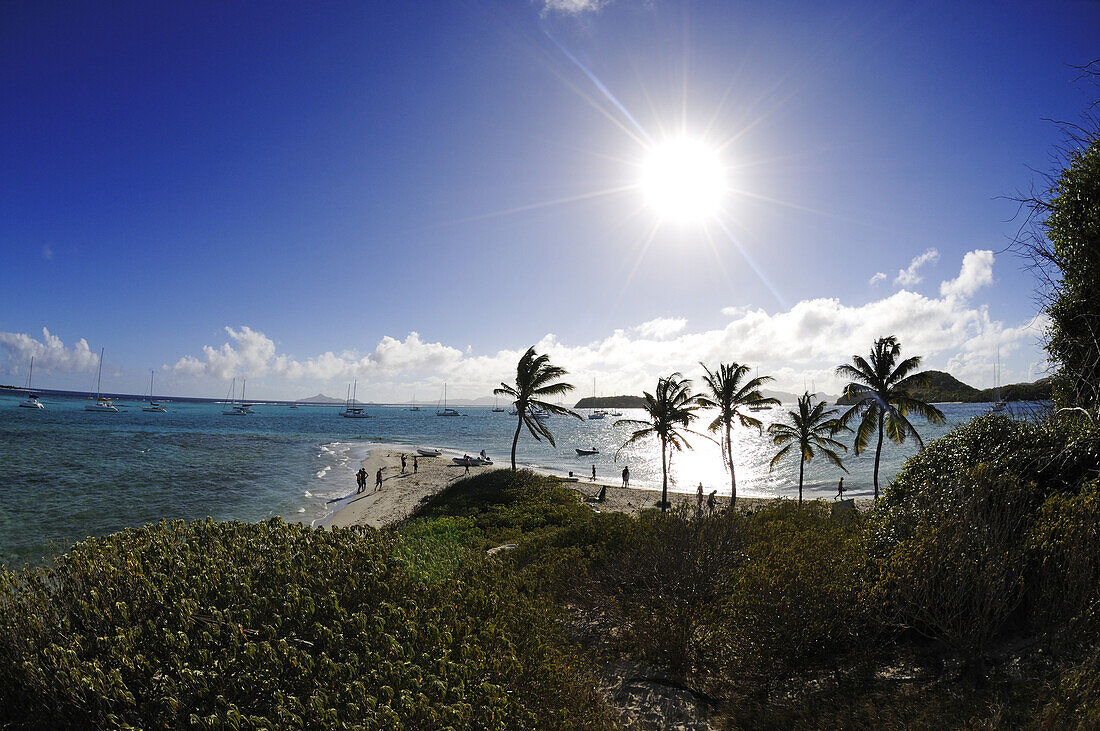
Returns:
(610, 402)
(940, 387)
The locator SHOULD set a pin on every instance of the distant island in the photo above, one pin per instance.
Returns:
(610, 402)
(942, 387)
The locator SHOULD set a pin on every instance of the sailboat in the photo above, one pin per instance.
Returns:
(353, 412)
(153, 405)
(236, 408)
(31, 402)
(102, 403)
(998, 405)
(414, 406)
(598, 413)
(497, 408)
(445, 411)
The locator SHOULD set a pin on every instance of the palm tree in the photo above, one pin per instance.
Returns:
(671, 408)
(536, 379)
(878, 394)
(813, 428)
(730, 396)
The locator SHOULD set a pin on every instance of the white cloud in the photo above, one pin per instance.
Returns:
(910, 275)
(50, 353)
(572, 7)
(876, 278)
(975, 273)
(662, 327)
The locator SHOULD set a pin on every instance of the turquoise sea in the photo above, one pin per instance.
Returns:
(66, 473)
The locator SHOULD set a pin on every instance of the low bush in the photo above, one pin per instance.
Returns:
(273, 625)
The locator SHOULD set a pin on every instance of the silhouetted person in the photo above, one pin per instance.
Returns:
(839, 489)
(361, 480)
(602, 495)
(593, 473)
(626, 476)
(402, 464)
(378, 479)
(712, 501)
(416, 465)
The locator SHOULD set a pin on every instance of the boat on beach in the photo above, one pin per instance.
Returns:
(429, 452)
(102, 403)
(587, 452)
(472, 461)
(31, 402)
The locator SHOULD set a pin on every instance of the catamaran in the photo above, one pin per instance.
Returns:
(153, 405)
(598, 413)
(350, 411)
(102, 403)
(236, 408)
(445, 411)
(31, 402)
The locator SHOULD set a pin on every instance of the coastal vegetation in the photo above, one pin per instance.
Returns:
(880, 397)
(610, 402)
(811, 430)
(536, 379)
(670, 410)
(729, 392)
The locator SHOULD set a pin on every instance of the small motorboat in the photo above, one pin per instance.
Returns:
(597, 414)
(429, 452)
(587, 452)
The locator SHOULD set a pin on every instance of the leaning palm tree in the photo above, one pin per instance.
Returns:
(671, 408)
(536, 379)
(727, 393)
(811, 429)
(879, 396)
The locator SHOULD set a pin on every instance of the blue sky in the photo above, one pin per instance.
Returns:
(412, 193)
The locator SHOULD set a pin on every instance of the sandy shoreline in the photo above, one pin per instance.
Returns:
(402, 492)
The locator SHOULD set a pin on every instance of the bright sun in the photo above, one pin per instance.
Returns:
(683, 180)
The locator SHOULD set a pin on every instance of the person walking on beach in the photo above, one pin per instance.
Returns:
(402, 464)
(712, 501)
(626, 476)
(378, 479)
(699, 501)
(593, 473)
(361, 480)
(466, 461)
(416, 465)
(839, 490)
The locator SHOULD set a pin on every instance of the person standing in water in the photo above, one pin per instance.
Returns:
(626, 476)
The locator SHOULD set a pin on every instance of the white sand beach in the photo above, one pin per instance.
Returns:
(402, 492)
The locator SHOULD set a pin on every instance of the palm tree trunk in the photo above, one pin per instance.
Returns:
(515, 440)
(733, 474)
(664, 477)
(878, 453)
(801, 467)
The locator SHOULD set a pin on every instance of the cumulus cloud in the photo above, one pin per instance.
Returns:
(876, 278)
(50, 353)
(572, 7)
(662, 327)
(910, 275)
(799, 346)
(976, 272)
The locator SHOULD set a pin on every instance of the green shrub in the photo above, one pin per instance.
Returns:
(1064, 553)
(957, 575)
(273, 625)
(797, 597)
(1076, 698)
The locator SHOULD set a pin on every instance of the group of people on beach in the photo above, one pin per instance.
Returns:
(361, 480)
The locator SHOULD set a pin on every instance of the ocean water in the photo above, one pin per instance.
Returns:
(66, 474)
